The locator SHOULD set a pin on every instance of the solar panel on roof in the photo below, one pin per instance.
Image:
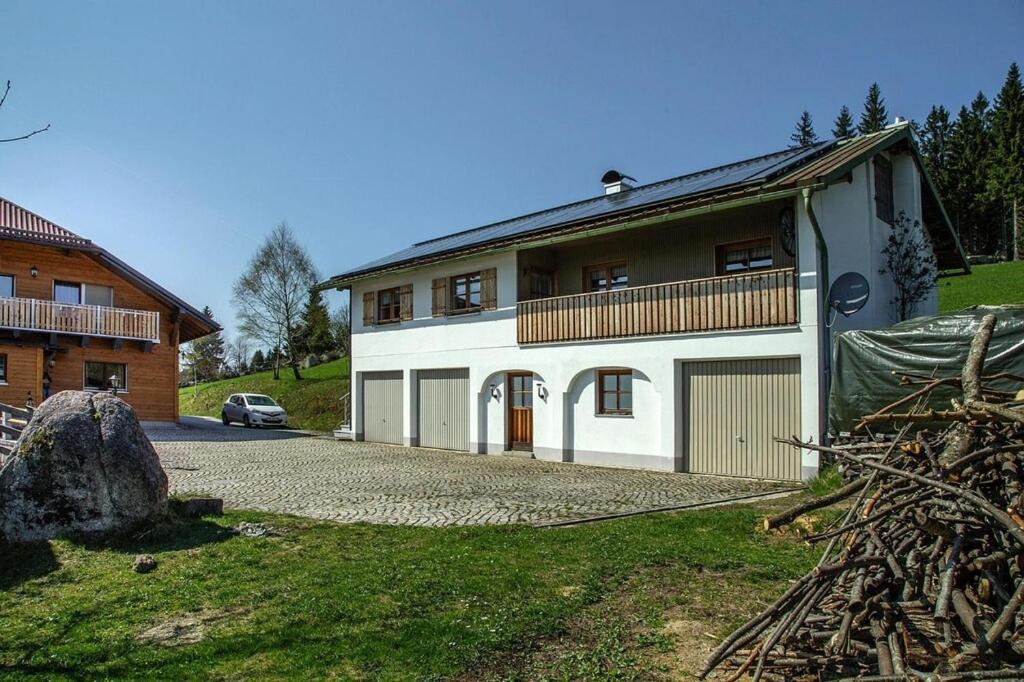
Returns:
(739, 173)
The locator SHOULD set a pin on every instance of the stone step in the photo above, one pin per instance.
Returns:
(344, 434)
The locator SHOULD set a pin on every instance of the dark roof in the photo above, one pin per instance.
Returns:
(787, 169)
(20, 224)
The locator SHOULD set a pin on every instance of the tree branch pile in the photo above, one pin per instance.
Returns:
(922, 578)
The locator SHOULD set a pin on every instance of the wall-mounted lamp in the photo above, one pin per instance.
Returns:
(494, 391)
(542, 392)
(34, 271)
(115, 383)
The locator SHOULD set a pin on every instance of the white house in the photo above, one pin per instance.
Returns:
(679, 325)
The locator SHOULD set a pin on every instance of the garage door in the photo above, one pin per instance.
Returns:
(734, 409)
(382, 407)
(444, 408)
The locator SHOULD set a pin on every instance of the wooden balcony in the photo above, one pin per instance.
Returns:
(752, 300)
(30, 314)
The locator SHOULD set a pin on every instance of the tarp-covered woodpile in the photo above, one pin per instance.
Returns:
(921, 577)
(871, 368)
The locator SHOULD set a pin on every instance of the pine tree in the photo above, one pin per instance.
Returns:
(205, 355)
(843, 126)
(875, 115)
(258, 362)
(804, 135)
(1005, 183)
(316, 325)
(934, 136)
(969, 160)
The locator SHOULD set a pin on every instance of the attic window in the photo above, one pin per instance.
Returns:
(883, 189)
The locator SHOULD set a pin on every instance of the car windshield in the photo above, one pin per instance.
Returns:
(260, 400)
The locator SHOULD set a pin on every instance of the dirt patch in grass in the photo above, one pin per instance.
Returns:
(659, 625)
(188, 628)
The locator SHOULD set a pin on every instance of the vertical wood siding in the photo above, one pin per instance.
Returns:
(382, 407)
(759, 299)
(444, 408)
(733, 409)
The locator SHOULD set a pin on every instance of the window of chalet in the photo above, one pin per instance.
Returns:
(7, 286)
(89, 294)
(389, 305)
(465, 293)
(745, 256)
(615, 392)
(605, 276)
(883, 189)
(97, 376)
(3, 368)
(542, 283)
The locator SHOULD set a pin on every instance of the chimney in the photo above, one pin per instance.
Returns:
(898, 121)
(615, 182)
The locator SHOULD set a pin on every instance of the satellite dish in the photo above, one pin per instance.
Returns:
(849, 293)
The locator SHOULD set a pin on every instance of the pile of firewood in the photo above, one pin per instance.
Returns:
(922, 577)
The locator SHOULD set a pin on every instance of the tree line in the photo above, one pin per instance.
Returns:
(282, 320)
(975, 158)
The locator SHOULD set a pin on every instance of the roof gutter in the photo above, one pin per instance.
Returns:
(342, 282)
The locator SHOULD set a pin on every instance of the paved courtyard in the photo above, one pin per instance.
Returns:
(296, 473)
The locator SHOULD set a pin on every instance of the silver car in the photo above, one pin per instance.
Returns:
(253, 409)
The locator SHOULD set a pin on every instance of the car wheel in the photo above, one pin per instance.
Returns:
(224, 418)
(245, 420)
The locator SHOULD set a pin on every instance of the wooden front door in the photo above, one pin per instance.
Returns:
(520, 411)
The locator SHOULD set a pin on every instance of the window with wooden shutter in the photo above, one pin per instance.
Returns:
(406, 295)
(369, 303)
(489, 289)
(439, 298)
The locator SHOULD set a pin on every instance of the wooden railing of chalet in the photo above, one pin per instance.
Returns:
(760, 299)
(83, 320)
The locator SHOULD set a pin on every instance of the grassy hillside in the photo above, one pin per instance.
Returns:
(312, 403)
(995, 284)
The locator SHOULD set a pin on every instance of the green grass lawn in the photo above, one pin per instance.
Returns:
(312, 403)
(323, 600)
(996, 284)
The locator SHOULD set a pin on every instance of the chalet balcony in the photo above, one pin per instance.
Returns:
(767, 298)
(29, 314)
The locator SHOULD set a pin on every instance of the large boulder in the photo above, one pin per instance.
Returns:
(82, 465)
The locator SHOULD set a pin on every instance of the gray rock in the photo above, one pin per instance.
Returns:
(310, 361)
(82, 464)
(144, 563)
(254, 530)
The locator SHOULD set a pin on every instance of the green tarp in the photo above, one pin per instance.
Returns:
(863, 361)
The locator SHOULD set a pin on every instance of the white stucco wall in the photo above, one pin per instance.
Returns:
(566, 427)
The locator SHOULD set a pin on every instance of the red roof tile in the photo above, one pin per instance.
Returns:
(19, 223)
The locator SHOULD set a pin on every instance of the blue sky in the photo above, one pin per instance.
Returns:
(183, 132)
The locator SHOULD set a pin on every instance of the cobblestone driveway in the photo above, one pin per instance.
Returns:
(281, 471)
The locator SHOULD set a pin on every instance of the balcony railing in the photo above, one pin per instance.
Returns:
(30, 314)
(761, 299)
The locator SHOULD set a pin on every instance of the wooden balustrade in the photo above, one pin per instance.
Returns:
(83, 320)
(758, 299)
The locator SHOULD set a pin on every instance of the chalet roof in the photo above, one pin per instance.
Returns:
(20, 224)
(780, 172)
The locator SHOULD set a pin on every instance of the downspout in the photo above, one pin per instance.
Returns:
(822, 249)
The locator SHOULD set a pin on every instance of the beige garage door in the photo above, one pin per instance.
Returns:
(734, 409)
(382, 407)
(444, 408)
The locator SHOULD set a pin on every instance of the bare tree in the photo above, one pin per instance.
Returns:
(238, 353)
(341, 329)
(26, 135)
(271, 293)
(910, 262)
